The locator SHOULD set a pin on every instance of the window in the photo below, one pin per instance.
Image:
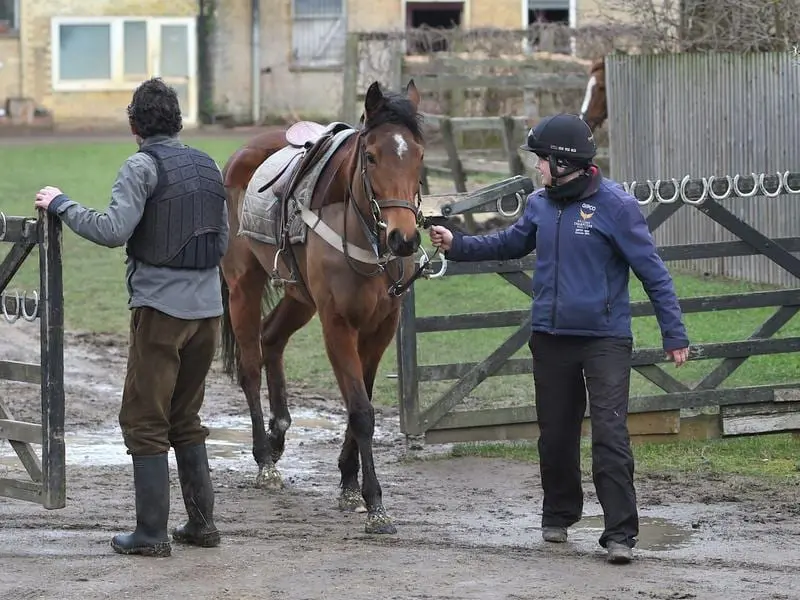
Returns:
(9, 15)
(117, 53)
(552, 12)
(319, 30)
(435, 15)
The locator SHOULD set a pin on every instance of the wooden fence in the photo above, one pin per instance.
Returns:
(47, 483)
(662, 416)
(458, 163)
(470, 83)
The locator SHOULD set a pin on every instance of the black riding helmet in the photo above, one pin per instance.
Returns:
(565, 140)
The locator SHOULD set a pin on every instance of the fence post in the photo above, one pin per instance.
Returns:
(54, 493)
(407, 385)
(349, 113)
(515, 166)
(449, 142)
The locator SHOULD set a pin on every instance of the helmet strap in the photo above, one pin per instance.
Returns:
(568, 169)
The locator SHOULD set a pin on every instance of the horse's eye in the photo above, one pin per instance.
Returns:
(371, 158)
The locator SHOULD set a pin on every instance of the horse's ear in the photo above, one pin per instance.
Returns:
(413, 93)
(373, 100)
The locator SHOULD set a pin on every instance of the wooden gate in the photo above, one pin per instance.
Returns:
(47, 483)
(741, 410)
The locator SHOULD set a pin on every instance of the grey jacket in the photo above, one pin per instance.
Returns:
(181, 293)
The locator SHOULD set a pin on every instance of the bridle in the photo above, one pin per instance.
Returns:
(374, 226)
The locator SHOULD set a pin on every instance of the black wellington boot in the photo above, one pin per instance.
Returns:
(151, 481)
(198, 496)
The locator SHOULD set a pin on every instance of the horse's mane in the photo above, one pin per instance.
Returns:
(398, 110)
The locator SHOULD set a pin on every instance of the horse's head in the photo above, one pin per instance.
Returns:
(391, 146)
(594, 109)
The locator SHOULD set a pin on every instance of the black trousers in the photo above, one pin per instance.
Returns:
(564, 369)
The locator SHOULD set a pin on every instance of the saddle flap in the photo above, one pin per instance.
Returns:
(304, 132)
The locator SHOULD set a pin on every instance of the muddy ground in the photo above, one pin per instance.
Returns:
(468, 528)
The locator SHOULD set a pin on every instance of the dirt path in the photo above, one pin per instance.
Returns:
(468, 528)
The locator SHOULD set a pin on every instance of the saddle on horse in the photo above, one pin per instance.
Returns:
(315, 139)
(309, 144)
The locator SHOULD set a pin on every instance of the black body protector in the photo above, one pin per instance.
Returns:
(185, 216)
(566, 142)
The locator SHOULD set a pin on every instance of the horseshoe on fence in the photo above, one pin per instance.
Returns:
(650, 195)
(740, 193)
(10, 318)
(786, 184)
(513, 213)
(30, 318)
(777, 192)
(674, 197)
(728, 190)
(702, 197)
(5, 226)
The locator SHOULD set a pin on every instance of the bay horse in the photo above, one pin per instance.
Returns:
(594, 109)
(369, 195)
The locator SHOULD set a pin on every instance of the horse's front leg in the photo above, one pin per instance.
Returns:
(371, 347)
(342, 345)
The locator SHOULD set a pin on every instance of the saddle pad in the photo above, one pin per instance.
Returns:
(260, 214)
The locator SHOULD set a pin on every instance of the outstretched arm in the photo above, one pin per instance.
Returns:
(516, 241)
(136, 180)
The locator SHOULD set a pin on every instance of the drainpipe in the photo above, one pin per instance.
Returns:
(256, 61)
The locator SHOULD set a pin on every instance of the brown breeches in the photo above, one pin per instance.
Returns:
(168, 360)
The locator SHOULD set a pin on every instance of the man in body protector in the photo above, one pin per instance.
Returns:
(588, 234)
(168, 207)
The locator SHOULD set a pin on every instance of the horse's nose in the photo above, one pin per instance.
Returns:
(400, 245)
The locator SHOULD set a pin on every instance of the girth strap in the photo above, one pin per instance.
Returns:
(321, 228)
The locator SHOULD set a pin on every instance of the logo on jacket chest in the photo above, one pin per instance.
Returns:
(583, 225)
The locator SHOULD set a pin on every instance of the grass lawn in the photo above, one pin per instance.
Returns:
(96, 299)
(775, 457)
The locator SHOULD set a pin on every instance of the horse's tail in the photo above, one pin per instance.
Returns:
(228, 346)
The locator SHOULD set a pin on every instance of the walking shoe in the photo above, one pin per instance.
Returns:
(619, 554)
(198, 497)
(151, 483)
(556, 535)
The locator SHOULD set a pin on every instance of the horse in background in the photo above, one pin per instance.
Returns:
(361, 215)
(594, 109)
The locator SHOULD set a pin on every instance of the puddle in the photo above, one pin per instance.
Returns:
(229, 444)
(655, 534)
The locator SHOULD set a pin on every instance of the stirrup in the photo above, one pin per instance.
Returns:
(275, 279)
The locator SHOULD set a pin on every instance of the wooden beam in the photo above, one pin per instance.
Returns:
(21, 490)
(19, 431)
(21, 372)
(767, 417)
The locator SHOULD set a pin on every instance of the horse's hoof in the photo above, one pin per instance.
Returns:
(269, 478)
(379, 522)
(352, 501)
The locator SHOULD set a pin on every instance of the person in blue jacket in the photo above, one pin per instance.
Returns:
(588, 234)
